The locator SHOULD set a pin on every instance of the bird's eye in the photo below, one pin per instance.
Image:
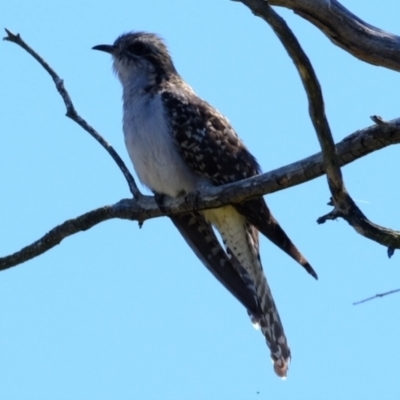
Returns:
(138, 48)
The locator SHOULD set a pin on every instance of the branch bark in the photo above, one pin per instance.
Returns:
(142, 207)
(351, 148)
(72, 113)
(344, 205)
(344, 29)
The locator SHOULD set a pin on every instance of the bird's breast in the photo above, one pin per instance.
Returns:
(151, 147)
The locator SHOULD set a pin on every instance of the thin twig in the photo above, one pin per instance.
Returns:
(72, 113)
(376, 296)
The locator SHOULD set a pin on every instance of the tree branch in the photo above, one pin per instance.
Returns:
(344, 205)
(56, 235)
(314, 95)
(71, 111)
(351, 148)
(344, 29)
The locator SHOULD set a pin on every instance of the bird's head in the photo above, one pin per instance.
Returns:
(139, 57)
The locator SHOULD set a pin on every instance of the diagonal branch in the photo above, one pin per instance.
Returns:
(56, 235)
(351, 148)
(314, 95)
(72, 113)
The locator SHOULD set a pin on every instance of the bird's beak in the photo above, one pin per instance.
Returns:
(105, 47)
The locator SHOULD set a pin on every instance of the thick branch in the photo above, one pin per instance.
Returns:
(351, 148)
(346, 30)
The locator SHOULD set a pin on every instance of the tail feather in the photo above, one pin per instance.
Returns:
(258, 214)
(242, 247)
(272, 328)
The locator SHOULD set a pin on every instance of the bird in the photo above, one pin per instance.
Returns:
(179, 145)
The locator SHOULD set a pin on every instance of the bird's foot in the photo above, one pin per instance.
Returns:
(160, 199)
(193, 199)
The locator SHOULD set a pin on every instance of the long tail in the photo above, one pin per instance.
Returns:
(242, 247)
(267, 319)
(258, 214)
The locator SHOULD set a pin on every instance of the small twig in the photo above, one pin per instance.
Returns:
(333, 215)
(72, 113)
(379, 120)
(376, 296)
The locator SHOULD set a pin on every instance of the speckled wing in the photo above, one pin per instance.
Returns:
(206, 140)
(211, 147)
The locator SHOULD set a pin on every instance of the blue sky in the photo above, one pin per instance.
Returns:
(122, 313)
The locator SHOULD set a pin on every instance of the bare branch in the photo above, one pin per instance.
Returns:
(314, 94)
(124, 209)
(344, 29)
(72, 113)
(376, 296)
(349, 149)
(56, 235)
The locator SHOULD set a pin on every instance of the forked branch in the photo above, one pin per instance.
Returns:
(344, 205)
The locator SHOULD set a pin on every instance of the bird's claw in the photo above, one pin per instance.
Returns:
(193, 199)
(160, 198)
